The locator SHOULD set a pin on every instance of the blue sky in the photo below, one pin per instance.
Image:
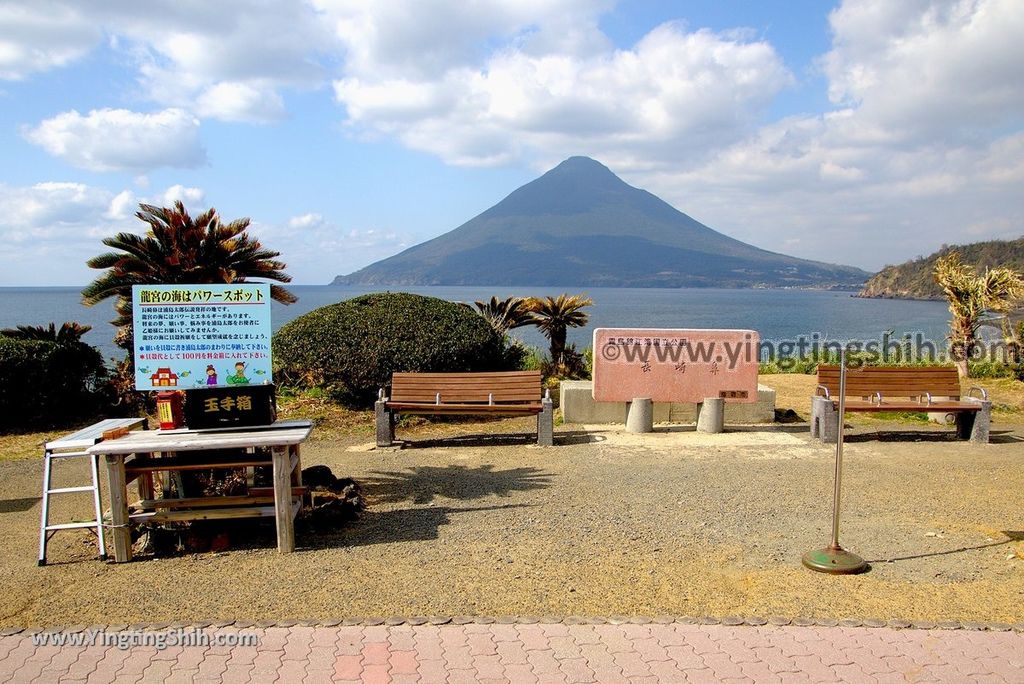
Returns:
(862, 132)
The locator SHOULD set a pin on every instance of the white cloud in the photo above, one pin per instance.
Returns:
(42, 35)
(675, 93)
(926, 68)
(192, 198)
(121, 140)
(316, 249)
(234, 101)
(306, 221)
(58, 222)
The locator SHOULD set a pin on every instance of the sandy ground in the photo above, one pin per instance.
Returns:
(603, 523)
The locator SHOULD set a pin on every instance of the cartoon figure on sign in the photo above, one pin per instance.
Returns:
(239, 377)
(211, 375)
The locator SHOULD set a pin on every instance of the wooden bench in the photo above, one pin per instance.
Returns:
(515, 393)
(928, 389)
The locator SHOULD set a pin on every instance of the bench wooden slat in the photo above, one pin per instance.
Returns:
(934, 407)
(939, 381)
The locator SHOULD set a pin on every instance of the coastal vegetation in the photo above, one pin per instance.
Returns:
(49, 377)
(916, 279)
(350, 349)
(177, 248)
(976, 300)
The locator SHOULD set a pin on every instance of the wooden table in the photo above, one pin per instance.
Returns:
(134, 454)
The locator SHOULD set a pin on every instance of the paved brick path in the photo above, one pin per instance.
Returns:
(539, 652)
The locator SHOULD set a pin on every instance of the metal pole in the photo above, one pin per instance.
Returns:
(837, 494)
(834, 559)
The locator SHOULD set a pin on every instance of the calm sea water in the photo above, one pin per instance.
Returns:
(775, 314)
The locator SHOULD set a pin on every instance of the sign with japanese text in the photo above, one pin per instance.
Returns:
(675, 365)
(189, 336)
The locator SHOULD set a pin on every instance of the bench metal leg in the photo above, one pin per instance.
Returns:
(975, 425)
(824, 420)
(385, 424)
(546, 423)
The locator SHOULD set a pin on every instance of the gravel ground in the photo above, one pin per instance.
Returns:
(604, 523)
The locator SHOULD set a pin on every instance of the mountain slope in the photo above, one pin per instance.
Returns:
(580, 225)
(914, 279)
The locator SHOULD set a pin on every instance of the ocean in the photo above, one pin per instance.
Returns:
(775, 314)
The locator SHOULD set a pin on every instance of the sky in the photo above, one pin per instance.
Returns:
(861, 132)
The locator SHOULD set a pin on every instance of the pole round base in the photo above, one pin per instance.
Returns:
(834, 561)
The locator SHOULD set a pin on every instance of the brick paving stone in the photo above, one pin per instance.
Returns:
(512, 653)
(488, 666)
(481, 644)
(402, 638)
(452, 636)
(375, 634)
(684, 657)
(348, 666)
(563, 647)
(576, 670)
(614, 639)
(520, 673)
(543, 663)
(404, 678)
(291, 671)
(458, 658)
(460, 676)
(533, 637)
(374, 674)
(403, 663)
(377, 652)
(631, 664)
(501, 632)
(544, 652)
(432, 671)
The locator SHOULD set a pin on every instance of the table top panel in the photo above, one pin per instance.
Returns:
(154, 441)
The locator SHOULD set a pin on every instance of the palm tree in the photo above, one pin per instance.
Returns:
(69, 333)
(555, 315)
(180, 249)
(506, 314)
(970, 298)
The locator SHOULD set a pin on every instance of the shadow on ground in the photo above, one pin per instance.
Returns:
(1011, 536)
(421, 484)
(18, 505)
(402, 525)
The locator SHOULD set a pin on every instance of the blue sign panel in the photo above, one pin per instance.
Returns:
(189, 336)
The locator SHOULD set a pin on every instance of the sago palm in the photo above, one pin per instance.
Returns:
(506, 314)
(180, 249)
(68, 333)
(555, 315)
(971, 297)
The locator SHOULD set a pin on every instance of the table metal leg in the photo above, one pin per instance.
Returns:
(283, 499)
(120, 533)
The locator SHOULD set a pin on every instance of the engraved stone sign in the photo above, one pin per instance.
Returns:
(675, 365)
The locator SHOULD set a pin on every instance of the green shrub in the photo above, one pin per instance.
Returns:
(45, 384)
(350, 349)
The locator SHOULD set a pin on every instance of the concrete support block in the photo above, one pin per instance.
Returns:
(546, 423)
(975, 425)
(578, 406)
(824, 420)
(711, 415)
(640, 415)
(385, 424)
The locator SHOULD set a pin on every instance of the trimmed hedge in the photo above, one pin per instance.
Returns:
(350, 349)
(44, 384)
